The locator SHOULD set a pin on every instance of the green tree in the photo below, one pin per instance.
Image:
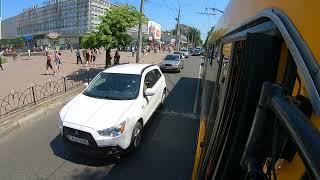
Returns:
(194, 36)
(90, 40)
(113, 30)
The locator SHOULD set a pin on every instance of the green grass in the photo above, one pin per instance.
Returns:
(3, 60)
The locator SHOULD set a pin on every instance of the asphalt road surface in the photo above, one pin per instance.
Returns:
(167, 151)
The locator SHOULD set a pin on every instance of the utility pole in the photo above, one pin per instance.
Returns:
(178, 32)
(140, 35)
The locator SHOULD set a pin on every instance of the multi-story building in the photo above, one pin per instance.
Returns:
(8, 28)
(60, 22)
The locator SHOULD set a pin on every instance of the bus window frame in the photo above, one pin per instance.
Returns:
(305, 61)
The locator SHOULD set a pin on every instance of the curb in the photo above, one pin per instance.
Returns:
(28, 115)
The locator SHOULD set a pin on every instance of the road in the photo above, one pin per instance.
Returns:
(167, 151)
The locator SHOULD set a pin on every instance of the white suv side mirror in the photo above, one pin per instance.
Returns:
(149, 92)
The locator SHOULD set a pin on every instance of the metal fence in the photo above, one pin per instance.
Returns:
(17, 101)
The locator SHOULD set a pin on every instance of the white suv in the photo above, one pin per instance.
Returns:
(112, 111)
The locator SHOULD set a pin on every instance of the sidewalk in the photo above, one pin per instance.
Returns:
(25, 71)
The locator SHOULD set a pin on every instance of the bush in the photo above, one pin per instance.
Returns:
(3, 60)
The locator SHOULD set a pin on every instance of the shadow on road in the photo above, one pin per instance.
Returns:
(65, 152)
(181, 98)
(168, 145)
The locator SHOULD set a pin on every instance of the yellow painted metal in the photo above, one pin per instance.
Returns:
(201, 134)
(299, 89)
(303, 14)
(290, 170)
(282, 63)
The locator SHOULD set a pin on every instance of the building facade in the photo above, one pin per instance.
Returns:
(60, 22)
(9, 28)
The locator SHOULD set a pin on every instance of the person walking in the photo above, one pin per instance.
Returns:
(57, 61)
(78, 56)
(94, 56)
(116, 58)
(108, 58)
(133, 51)
(88, 57)
(14, 54)
(84, 54)
(48, 64)
(1, 53)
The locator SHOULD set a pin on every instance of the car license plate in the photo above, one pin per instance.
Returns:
(78, 140)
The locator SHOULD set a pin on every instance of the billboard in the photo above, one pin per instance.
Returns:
(154, 30)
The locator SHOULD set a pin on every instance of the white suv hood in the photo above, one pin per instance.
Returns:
(95, 113)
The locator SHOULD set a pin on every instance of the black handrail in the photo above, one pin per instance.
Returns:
(274, 106)
(302, 132)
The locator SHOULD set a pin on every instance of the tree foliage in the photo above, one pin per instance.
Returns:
(112, 32)
(194, 36)
(90, 40)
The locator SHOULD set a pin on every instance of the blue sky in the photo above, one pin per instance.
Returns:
(161, 11)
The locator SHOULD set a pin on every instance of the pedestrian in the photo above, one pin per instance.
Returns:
(133, 51)
(29, 52)
(1, 53)
(84, 54)
(108, 58)
(94, 56)
(14, 54)
(57, 61)
(78, 56)
(71, 49)
(116, 58)
(88, 57)
(48, 64)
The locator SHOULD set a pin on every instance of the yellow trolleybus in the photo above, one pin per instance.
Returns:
(260, 100)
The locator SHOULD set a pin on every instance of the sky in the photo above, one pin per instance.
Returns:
(162, 11)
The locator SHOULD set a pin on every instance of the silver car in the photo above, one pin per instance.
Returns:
(172, 62)
(185, 52)
(181, 53)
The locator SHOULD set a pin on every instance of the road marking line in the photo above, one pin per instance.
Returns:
(197, 92)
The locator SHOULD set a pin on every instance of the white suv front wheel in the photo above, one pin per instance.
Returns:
(136, 136)
(163, 97)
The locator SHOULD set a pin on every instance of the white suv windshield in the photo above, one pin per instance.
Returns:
(114, 86)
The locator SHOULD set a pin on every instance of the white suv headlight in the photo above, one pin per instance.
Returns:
(113, 131)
